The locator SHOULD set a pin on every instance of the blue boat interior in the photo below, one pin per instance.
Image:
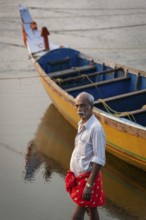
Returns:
(112, 88)
(59, 59)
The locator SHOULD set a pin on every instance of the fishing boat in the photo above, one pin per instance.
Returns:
(119, 91)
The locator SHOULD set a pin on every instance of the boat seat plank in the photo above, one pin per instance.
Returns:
(82, 76)
(73, 70)
(138, 116)
(114, 98)
(98, 84)
(122, 103)
(138, 111)
(56, 62)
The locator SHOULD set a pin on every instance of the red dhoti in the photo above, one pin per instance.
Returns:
(76, 184)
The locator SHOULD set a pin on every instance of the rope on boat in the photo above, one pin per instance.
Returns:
(131, 117)
(116, 113)
(83, 76)
(96, 87)
(59, 81)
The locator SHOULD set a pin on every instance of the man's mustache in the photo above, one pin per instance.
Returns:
(80, 113)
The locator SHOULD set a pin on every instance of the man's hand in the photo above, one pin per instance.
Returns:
(87, 193)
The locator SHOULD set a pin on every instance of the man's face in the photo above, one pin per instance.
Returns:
(84, 109)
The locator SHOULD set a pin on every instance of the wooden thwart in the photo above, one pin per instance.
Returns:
(98, 84)
(72, 71)
(138, 111)
(121, 96)
(65, 60)
(76, 78)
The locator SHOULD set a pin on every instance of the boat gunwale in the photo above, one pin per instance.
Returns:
(110, 64)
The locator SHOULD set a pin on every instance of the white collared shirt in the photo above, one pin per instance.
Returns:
(90, 145)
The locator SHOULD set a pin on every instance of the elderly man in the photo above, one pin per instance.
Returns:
(84, 180)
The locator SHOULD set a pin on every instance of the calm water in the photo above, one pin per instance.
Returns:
(35, 140)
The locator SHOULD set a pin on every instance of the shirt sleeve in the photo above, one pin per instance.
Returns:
(99, 144)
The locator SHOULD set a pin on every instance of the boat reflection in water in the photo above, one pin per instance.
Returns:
(124, 185)
(51, 147)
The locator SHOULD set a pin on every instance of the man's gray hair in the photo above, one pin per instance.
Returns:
(88, 96)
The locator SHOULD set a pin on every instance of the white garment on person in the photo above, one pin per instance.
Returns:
(90, 145)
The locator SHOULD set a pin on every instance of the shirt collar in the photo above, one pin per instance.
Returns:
(88, 123)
